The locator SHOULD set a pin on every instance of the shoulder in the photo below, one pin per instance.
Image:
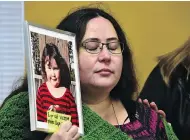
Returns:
(149, 122)
(141, 112)
(15, 117)
(154, 80)
(16, 104)
(179, 72)
(148, 116)
(156, 72)
(19, 99)
(154, 88)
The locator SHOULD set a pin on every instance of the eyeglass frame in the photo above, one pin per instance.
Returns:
(83, 44)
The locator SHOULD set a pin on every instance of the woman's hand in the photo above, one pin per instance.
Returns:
(67, 131)
(153, 106)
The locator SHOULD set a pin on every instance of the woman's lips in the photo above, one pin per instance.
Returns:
(104, 72)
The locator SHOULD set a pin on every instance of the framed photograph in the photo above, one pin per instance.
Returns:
(53, 78)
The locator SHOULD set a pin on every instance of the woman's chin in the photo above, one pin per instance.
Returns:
(104, 84)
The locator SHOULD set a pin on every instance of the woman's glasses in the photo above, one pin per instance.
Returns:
(95, 47)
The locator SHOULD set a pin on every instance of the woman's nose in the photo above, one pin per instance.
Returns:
(104, 54)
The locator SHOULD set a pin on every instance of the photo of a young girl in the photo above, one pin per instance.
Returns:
(54, 93)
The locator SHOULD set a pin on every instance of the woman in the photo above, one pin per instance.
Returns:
(108, 82)
(168, 86)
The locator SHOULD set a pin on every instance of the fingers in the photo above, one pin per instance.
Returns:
(162, 113)
(76, 137)
(48, 137)
(73, 131)
(154, 106)
(140, 100)
(145, 101)
(65, 127)
(67, 131)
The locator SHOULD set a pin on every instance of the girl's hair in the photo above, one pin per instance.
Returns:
(76, 22)
(170, 61)
(51, 51)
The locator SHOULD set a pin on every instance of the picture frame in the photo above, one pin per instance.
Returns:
(51, 58)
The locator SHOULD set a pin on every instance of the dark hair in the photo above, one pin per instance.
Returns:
(51, 50)
(76, 22)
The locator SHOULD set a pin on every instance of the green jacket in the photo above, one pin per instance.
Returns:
(14, 118)
(15, 123)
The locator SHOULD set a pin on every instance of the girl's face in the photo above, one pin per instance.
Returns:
(102, 70)
(52, 72)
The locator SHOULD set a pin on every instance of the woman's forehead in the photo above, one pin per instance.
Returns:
(100, 28)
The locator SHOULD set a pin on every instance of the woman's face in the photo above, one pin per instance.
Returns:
(52, 72)
(102, 70)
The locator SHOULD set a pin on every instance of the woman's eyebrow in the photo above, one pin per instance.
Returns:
(97, 39)
(91, 39)
(112, 39)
